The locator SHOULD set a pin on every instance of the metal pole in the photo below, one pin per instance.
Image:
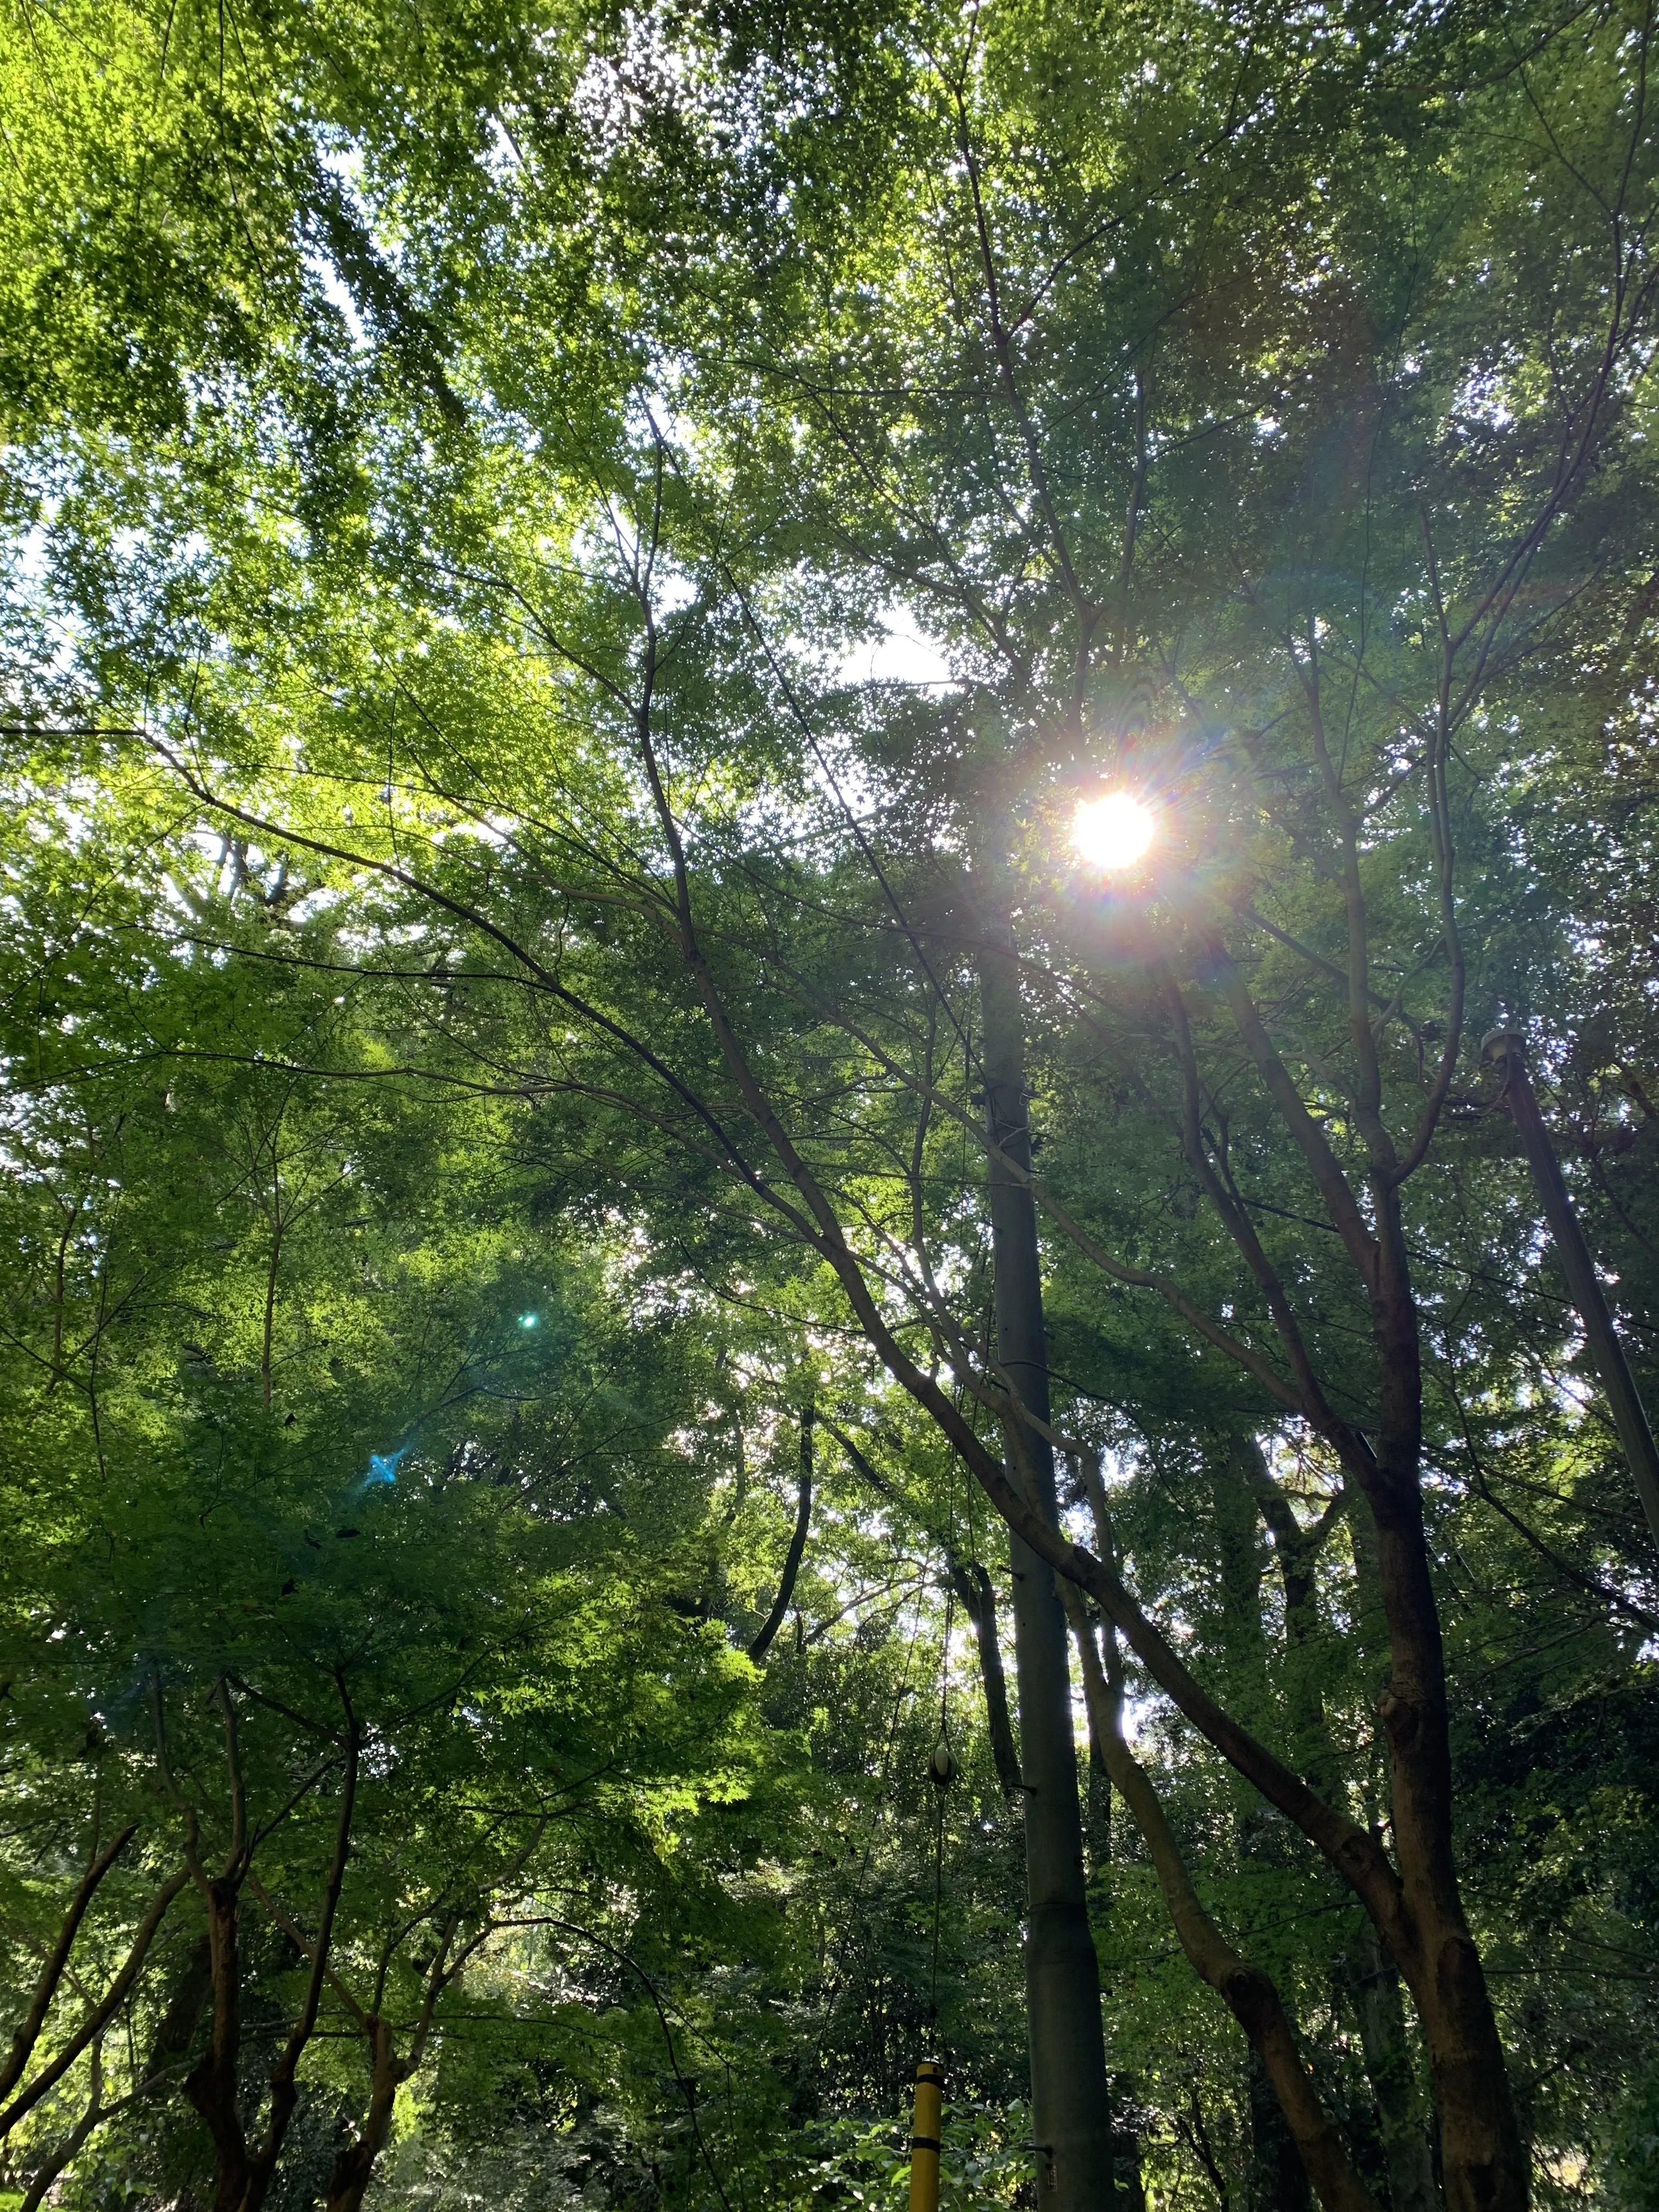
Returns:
(1070, 2119)
(925, 2139)
(1507, 1048)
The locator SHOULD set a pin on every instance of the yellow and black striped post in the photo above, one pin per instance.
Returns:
(924, 2139)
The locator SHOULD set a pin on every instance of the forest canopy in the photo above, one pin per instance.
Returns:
(830, 1010)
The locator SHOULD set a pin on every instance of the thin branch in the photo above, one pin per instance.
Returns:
(28, 2033)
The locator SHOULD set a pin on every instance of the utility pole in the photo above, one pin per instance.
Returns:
(1070, 2119)
(1507, 1049)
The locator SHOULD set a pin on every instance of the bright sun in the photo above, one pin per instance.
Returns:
(1111, 832)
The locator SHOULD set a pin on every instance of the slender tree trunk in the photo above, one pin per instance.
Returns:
(1098, 1826)
(70, 2145)
(28, 2032)
(1388, 2064)
(1071, 2116)
(176, 2029)
(1246, 1496)
(979, 1602)
(1382, 2029)
(763, 1643)
(355, 2165)
(1247, 1993)
(974, 1587)
(1239, 1556)
(1485, 2163)
(1296, 1553)
(211, 2085)
(1278, 2180)
(1383, 2020)
(284, 2086)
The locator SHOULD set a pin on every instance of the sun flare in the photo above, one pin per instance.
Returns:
(1112, 832)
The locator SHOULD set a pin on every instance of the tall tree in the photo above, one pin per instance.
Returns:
(1250, 416)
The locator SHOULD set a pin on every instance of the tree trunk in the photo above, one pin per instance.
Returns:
(211, 2085)
(1484, 2161)
(1296, 1552)
(1247, 1993)
(1239, 1557)
(355, 2165)
(176, 2029)
(1070, 2114)
(979, 1602)
(1382, 2018)
(1098, 1826)
(1278, 2180)
(973, 1586)
(1388, 2064)
(28, 2033)
(1382, 2022)
(763, 1643)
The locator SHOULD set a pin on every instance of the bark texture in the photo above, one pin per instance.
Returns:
(211, 2083)
(1071, 2114)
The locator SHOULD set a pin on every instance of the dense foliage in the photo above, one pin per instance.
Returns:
(567, 570)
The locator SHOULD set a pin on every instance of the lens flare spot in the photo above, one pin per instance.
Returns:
(529, 1320)
(383, 1466)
